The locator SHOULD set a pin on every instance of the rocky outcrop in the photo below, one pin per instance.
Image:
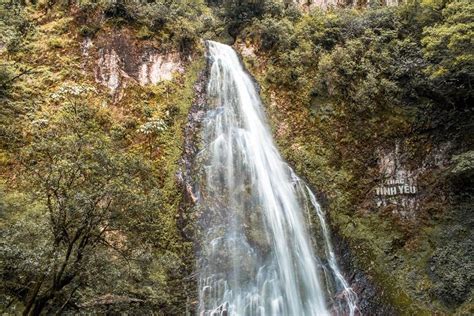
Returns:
(186, 220)
(245, 50)
(120, 60)
(158, 67)
(109, 72)
(192, 130)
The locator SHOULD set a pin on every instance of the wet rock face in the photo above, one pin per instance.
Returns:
(120, 60)
(186, 220)
(369, 300)
(192, 140)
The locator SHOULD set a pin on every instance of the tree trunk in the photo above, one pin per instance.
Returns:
(40, 305)
(32, 299)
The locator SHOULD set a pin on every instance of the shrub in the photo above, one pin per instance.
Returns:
(88, 30)
(274, 33)
(118, 9)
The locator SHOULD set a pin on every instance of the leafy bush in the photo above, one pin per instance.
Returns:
(175, 21)
(463, 166)
(449, 48)
(13, 25)
(238, 14)
(5, 81)
(274, 33)
(119, 9)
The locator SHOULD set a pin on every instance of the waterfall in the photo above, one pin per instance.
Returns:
(258, 254)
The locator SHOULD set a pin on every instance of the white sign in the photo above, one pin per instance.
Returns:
(395, 187)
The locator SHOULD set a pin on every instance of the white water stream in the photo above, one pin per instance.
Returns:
(257, 256)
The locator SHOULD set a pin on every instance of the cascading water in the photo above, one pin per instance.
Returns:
(256, 254)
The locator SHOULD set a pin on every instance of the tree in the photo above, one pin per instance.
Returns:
(87, 196)
(151, 129)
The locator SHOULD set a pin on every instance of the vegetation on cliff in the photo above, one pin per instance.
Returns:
(89, 196)
(89, 201)
(343, 86)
